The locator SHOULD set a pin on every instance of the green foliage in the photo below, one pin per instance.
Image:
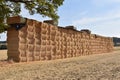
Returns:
(43, 7)
(7, 9)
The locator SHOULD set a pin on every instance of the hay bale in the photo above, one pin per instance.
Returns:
(16, 19)
(51, 22)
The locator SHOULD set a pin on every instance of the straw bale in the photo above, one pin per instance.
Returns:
(38, 24)
(57, 38)
(12, 35)
(30, 59)
(43, 48)
(23, 29)
(30, 41)
(52, 42)
(42, 55)
(30, 33)
(44, 26)
(57, 33)
(53, 27)
(64, 55)
(47, 37)
(43, 37)
(56, 43)
(53, 51)
(53, 32)
(12, 46)
(58, 52)
(22, 34)
(37, 36)
(30, 28)
(57, 57)
(44, 31)
(22, 46)
(43, 42)
(30, 53)
(30, 22)
(48, 42)
(48, 48)
(15, 19)
(37, 47)
(30, 47)
(10, 40)
(13, 53)
(53, 57)
(23, 54)
(68, 55)
(37, 41)
(23, 59)
(36, 58)
(37, 30)
(12, 30)
(16, 58)
(48, 57)
(36, 53)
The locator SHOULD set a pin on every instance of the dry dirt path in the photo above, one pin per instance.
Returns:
(93, 67)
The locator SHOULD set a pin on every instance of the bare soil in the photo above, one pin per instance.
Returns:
(93, 67)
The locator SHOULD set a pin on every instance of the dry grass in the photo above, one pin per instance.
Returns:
(3, 54)
(94, 67)
(116, 48)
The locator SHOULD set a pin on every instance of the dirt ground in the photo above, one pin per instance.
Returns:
(93, 67)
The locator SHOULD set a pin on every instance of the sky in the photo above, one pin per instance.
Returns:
(100, 16)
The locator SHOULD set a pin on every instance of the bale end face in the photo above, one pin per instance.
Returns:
(16, 19)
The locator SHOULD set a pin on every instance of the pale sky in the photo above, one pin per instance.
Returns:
(100, 16)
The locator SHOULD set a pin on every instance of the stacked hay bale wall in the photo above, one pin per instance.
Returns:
(37, 41)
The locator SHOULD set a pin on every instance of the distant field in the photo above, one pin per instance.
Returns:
(93, 67)
(116, 48)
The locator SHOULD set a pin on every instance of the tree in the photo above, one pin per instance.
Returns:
(13, 7)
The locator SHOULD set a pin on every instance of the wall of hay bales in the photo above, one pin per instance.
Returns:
(41, 41)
